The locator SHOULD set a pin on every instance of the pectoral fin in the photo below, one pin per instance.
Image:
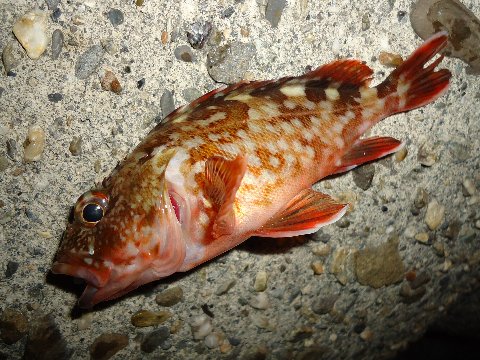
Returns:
(223, 178)
(304, 214)
(366, 150)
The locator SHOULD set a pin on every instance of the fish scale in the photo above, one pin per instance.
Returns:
(237, 162)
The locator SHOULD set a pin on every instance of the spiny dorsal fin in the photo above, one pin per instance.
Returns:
(223, 178)
(345, 71)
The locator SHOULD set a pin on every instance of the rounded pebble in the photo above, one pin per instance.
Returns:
(435, 214)
(115, 16)
(109, 82)
(468, 187)
(212, 340)
(427, 155)
(228, 64)
(260, 301)
(88, 62)
(261, 281)
(184, 53)
(225, 286)
(274, 10)
(8, 58)
(201, 326)
(30, 30)
(34, 144)
(423, 238)
(55, 97)
(143, 318)
(13, 326)
(107, 345)
(75, 146)
(167, 104)
(363, 176)
(367, 334)
(57, 43)
(170, 296)
(155, 339)
(401, 154)
(317, 267)
(390, 59)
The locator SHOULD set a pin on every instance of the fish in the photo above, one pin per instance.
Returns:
(238, 162)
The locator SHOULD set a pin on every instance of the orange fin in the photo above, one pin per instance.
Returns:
(304, 214)
(417, 85)
(346, 71)
(366, 150)
(223, 178)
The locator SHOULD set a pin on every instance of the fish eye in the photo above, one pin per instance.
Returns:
(91, 207)
(92, 213)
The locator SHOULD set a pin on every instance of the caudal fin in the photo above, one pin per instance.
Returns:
(412, 85)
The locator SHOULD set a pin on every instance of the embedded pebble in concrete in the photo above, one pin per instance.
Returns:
(435, 214)
(11, 269)
(13, 326)
(190, 94)
(427, 154)
(144, 318)
(225, 286)
(260, 301)
(423, 238)
(88, 62)
(430, 16)
(274, 10)
(322, 249)
(170, 296)
(410, 295)
(367, 334)
(341, 264)
(109, 82)
(9, 59)
(107, 345)
(45, 340)
(155, 339)
(263, 322)
(201, 326)
(421, 198)
(324, 304)
(363, 176)
(317, 267)
(57, 43)
(115, 16)
(401, 154)
(261, 281)
(75, 146)
(55, 97)
(390, 59)
(380, 265)
(167, 103)
(30, 31)
(184, 53)
(198, 34)
(228, 64)
(468, 187)
(4, 163)
(34, 144)
(212, 340)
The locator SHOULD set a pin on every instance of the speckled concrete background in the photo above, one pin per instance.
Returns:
(344, 311)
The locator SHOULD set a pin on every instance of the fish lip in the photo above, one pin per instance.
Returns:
(90, 276)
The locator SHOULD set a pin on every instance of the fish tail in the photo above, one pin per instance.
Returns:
(413, 84)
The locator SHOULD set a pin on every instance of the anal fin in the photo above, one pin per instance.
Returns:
(304, 214)
(223, 178)
(366, 150)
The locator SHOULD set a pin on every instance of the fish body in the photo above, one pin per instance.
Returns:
(237, 162)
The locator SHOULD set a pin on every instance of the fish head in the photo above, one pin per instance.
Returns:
(120, 238)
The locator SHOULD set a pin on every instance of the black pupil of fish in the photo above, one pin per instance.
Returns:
(92, 213)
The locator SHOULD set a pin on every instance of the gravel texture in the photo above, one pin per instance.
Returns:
(261, 300)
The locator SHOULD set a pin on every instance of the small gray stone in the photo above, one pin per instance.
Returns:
(365, 22)
(198, 34)
(166, 103)
(228, 64)
(12, 267)
(324, 304)
(52, 4)
(435, 214)
(57, 43)
(4, 163)
(363, 176)
(89, 61)
(184, 53)
(115, 16)
(191, 94)
(155, 339)
(55, 97)
(274, 10)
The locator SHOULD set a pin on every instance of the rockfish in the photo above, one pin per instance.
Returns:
(238, 162)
